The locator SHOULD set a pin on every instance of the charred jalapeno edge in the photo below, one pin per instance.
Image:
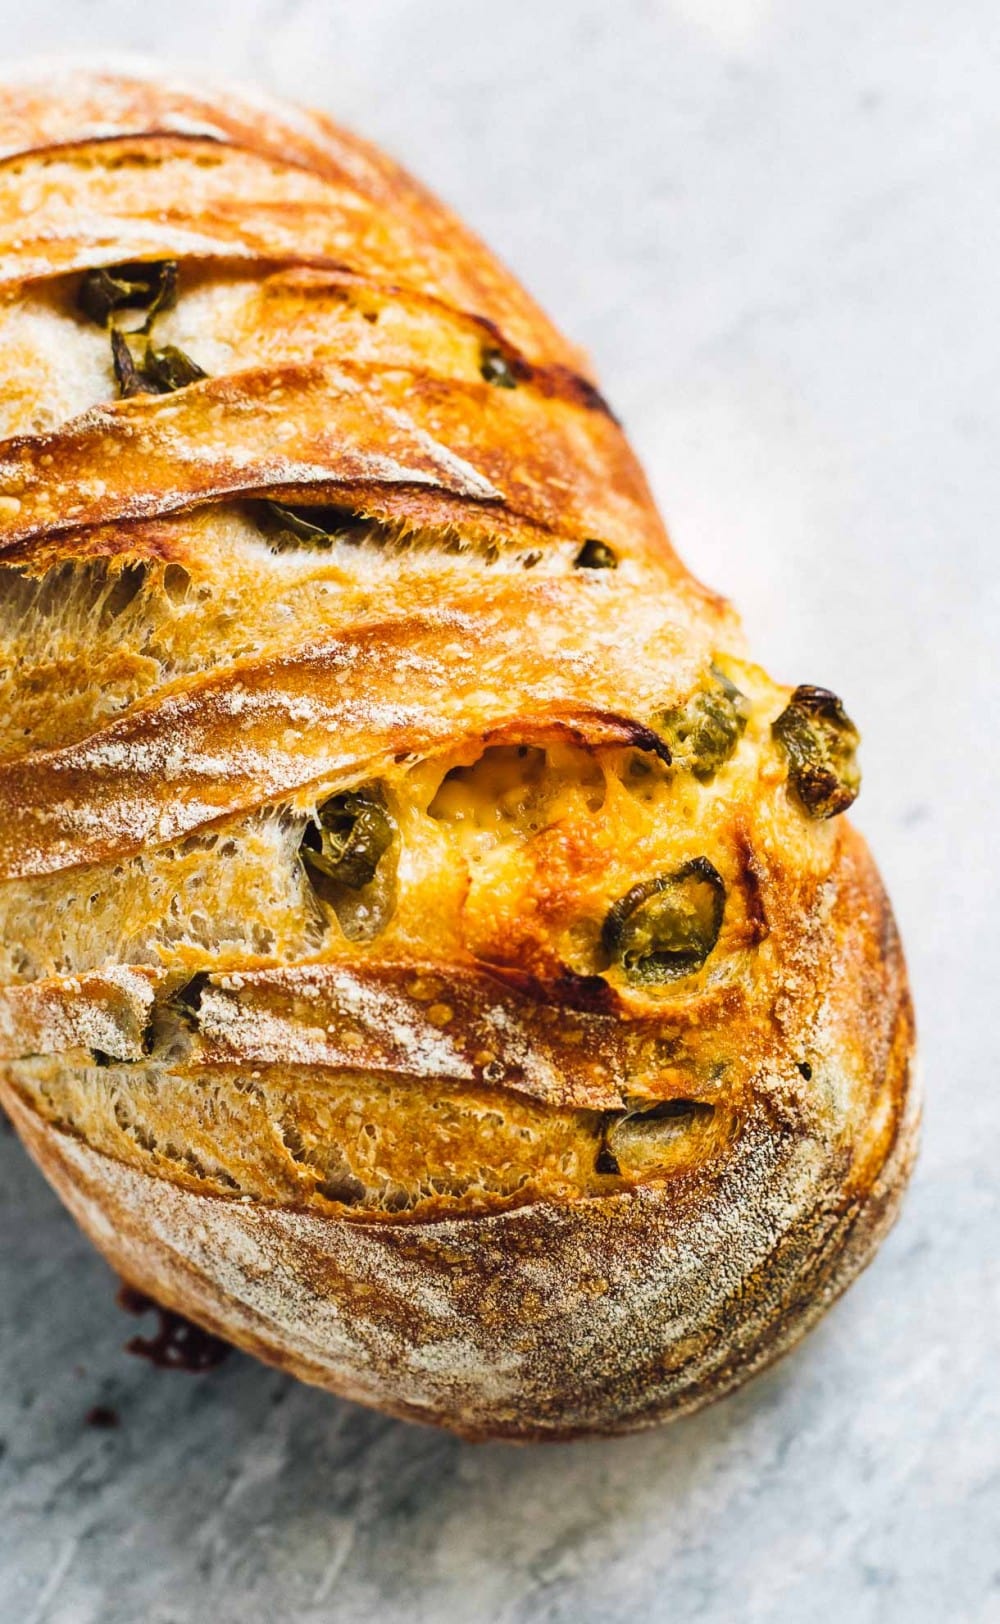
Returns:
(634, 916)
(704, 733)
(351, 834)
(820, 741)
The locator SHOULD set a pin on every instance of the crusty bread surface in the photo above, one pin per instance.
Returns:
(433, 955)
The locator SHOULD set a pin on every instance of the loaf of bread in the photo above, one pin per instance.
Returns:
(433, 955)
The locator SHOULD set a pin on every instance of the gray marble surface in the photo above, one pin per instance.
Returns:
(776, 227)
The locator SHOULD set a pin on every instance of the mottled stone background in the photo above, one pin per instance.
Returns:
(776, 227)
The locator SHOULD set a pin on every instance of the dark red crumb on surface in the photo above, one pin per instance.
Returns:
(102, 1415)
(177, 1344)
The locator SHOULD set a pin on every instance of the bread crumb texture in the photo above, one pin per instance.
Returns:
(432, 955)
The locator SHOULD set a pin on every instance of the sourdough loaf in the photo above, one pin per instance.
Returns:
(434, 956)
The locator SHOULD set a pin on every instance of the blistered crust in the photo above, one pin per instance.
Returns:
(439, 1145)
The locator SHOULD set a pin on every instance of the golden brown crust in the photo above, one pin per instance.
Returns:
(83, 202)
(428, 1135)
(547, 1322)
(298, 430)
(260, 731)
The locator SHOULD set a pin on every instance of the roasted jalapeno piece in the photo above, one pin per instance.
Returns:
(295, 522)
(187, 998)
(149, 286)
(495, 368)
(159, 372)
(353, 833)
(170, 368)
(703, 734)
(606, 1161)
(640, 1140)
(317, 525)
(666, 927)
(128, 376)
(820, 741)
(595, 555)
